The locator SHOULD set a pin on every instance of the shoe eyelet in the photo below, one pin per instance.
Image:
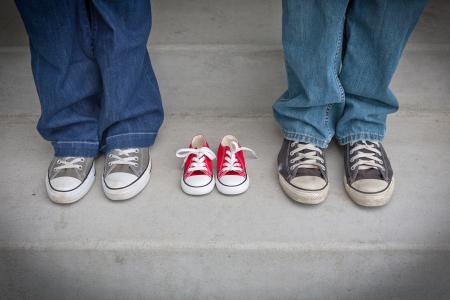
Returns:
(80, 168)
(109, 155)
(109, 164)
(82, 159)
(135, 164)
(291, 153)
(136, 158)
(291, 168)
(58, 161)
(136, 151)
(352, 168)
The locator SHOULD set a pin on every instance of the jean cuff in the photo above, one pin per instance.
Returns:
(360, 136)
(305, 138)
(129, 140)
(76, 148)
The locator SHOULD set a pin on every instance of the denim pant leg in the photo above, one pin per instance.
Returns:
(65, 74)
(131, 112)
(376, 34)
(312, 41)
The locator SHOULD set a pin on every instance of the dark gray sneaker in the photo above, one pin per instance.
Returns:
(69, 178)
(369, 179)
(302, 172)
(126, 172)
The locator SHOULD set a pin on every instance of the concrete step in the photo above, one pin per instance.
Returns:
(223, 61)
(256, 22)
(235, 79)
(260, 245)
(226, 56)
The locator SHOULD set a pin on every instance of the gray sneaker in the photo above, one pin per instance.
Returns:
(126, 172)
(69, 178)
(369, 179)
(302, 172)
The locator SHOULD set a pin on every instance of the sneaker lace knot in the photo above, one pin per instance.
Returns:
(198, 160)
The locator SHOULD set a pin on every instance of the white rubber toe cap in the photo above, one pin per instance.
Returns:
(232, 180)
(309, 182)
(119, 180)
(65, 183)
(198, 180)
(370, 185)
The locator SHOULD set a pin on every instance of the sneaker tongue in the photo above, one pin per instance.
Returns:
(124, 169)
(75, 173)
(369, 174)
(309, 172)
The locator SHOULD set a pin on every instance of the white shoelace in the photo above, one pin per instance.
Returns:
(308, 160)
(127, 159)
(198, 161)
(231, 162)
(69, 163)
(366, 160)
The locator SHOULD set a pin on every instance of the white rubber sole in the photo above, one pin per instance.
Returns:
(197, 191)
(370, 200)
(302, 196)
(233, 190)
(74, 195)
(131, 190)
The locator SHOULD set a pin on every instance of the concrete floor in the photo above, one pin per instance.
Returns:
(260, 245)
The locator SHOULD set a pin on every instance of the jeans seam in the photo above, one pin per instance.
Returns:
(94, 27)
(135, 133)
(327, 118)
(337, 55)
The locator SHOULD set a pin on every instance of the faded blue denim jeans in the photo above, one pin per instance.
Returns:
(340, 58)
(93, 74)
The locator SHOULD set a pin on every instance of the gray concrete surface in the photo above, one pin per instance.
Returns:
(258, 245)
(220, 67)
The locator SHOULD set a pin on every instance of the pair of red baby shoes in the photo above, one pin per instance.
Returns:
(198, 177)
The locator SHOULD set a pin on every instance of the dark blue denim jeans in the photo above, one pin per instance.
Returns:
(340, 58)
(93, 74)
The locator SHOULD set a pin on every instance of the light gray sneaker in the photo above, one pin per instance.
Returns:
(126, 172)
(69, 178)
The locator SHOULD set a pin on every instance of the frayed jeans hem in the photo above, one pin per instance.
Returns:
(305, 138)
(361, 136)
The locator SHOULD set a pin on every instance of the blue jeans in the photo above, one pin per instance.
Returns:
(93, 74)
(340, 58)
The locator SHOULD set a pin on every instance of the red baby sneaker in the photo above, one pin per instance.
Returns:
(198, 177)
(232, 177)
